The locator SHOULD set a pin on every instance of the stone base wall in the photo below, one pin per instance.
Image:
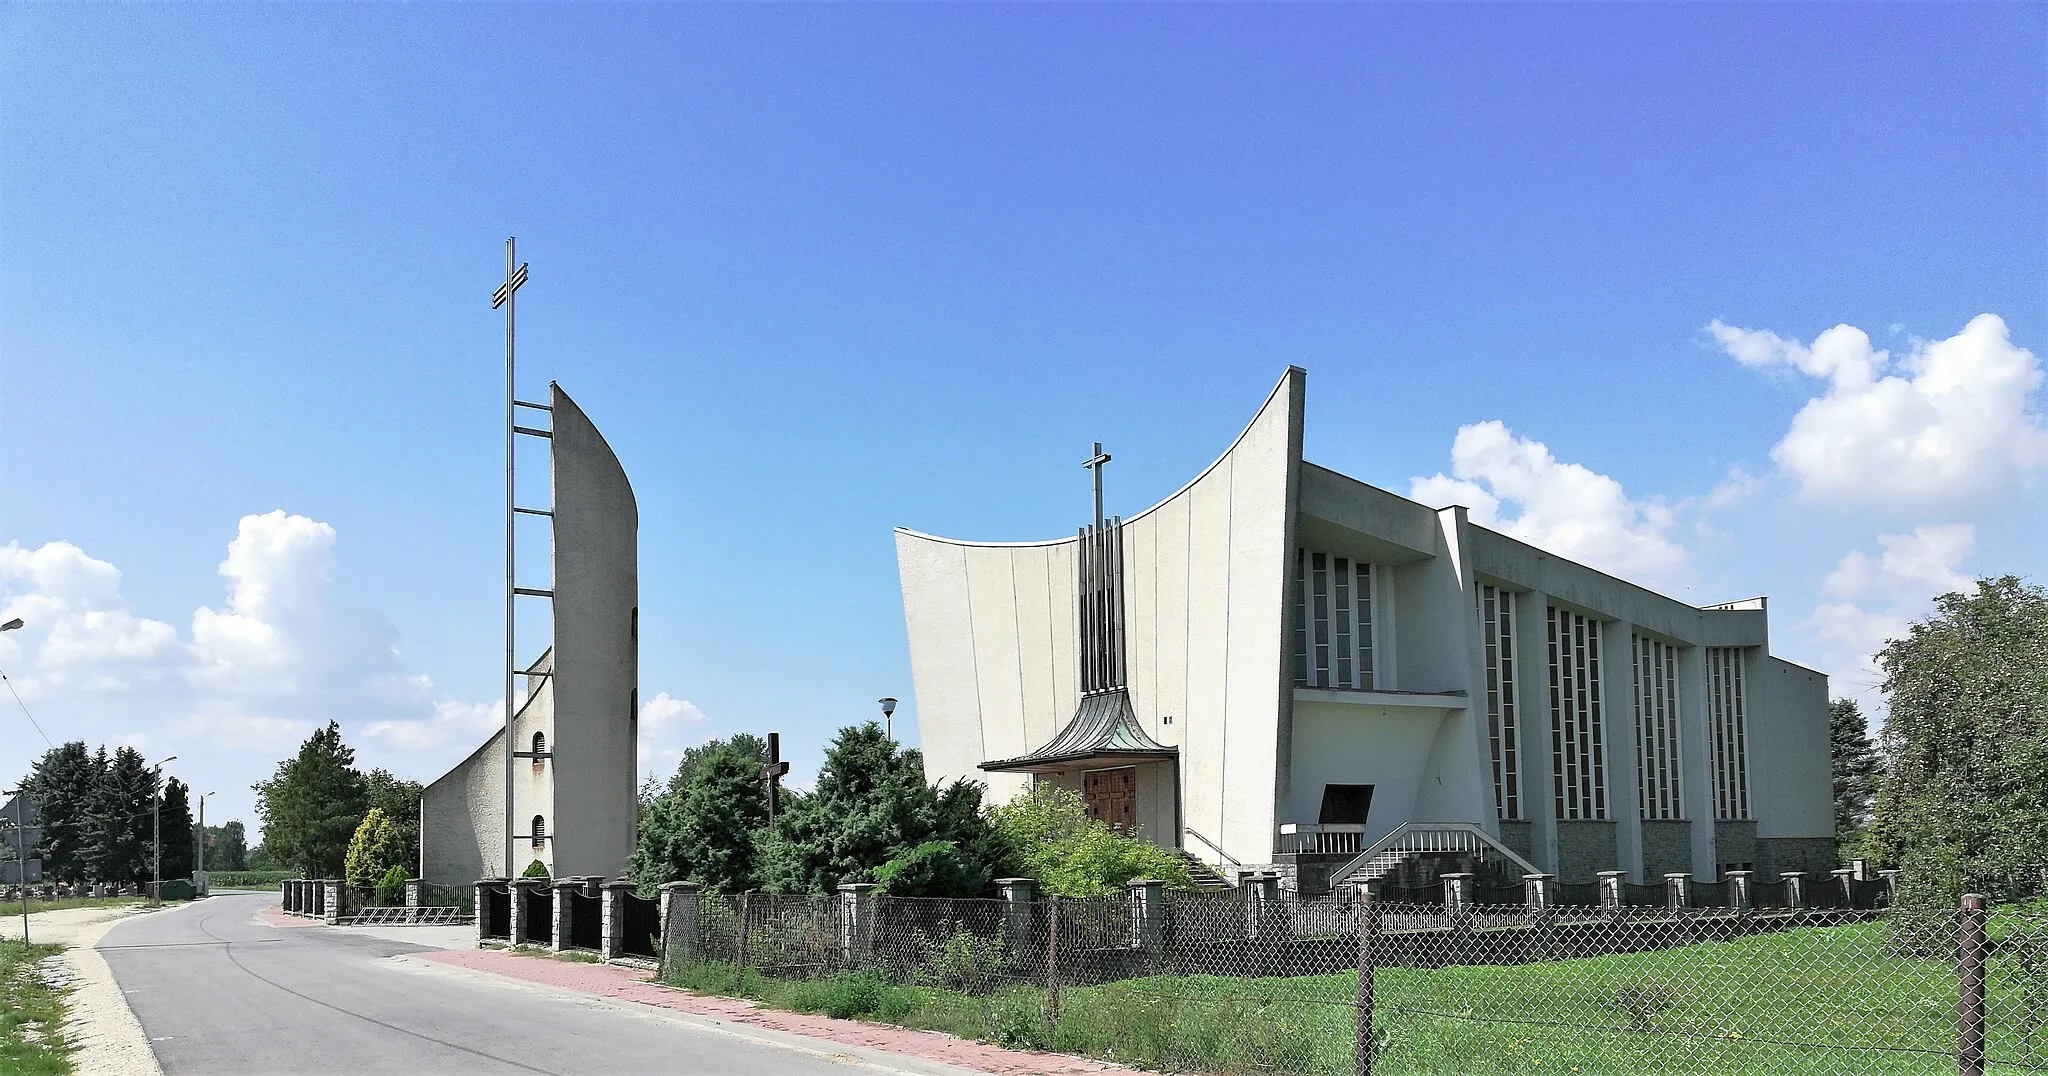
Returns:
(1735, 844)
(1667, 848)
(1815, 855)
(1584, 849)
(1520, 839)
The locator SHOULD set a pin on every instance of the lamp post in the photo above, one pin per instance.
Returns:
(156, 838)
(889, 716)
(199, 853)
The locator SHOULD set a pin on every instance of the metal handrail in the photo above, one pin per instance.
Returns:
(1213, 846)
(1398, 833)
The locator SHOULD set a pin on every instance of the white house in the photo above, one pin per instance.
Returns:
(1280, 666)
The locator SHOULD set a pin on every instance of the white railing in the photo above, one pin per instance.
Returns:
(1412, 839)
(1324, 838)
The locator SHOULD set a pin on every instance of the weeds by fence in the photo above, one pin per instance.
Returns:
(1254, 982)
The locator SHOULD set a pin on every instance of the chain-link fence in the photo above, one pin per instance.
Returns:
(1258, 981)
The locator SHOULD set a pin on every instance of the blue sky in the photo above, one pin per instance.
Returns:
(820, 271)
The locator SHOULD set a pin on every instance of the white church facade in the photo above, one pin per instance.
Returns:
(1282, 667)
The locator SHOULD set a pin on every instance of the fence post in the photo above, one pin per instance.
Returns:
(1018, 895)
(415, 898)
(1148, 914)
(1891, 886)
(1362, 1046)
(1610, 892)
(561, 901)
(1262, 897)
(331, 890)
(1742, 898)
(1845, 878)
(856, 923)
(483, 909)
(1677, 890)
(1861, 867)
(1052, 966)
(1795, 889)
(612, 919)
(739, 965)
(682, 910)
(1970, 979)
(1458, 903)
(1539, 900)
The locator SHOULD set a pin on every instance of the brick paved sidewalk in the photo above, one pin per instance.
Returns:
(627, 984)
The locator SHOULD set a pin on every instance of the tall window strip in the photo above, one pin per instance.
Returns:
(1332, 621)
(1577, 736)
(1656, 670)
(1729, 737)
(1497, 627)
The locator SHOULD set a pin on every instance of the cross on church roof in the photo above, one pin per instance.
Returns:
(1095, 463)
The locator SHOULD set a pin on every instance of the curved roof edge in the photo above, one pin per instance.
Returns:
(1290, 372)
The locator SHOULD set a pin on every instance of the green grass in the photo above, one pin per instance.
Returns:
(32, 1041)
(574, 956)
(1813, 1001)
(13, 907)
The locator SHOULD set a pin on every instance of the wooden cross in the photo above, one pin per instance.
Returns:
(772, 773)
(1094, 463)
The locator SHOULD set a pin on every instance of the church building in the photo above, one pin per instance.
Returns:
(1279, 667)
(575, 735)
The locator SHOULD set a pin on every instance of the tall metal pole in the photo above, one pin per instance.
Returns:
(511, 262)
(21, 857)
(156, 838)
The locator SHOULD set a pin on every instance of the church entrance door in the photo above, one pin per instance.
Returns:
(1112, 796)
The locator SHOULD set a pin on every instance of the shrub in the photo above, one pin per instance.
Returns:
(391, 887)
(1049, 836)
(535, 869)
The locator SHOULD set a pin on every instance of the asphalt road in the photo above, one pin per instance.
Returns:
(220, 992)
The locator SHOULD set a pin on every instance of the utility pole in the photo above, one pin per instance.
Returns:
(21, 854)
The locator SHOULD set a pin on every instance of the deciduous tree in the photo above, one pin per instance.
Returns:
(1964, 797)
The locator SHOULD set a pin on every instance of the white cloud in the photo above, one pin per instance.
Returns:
(1948, 423)
(667, 725)
(1515, 485)
(88, 638)
(658, 711)
(1877, 598)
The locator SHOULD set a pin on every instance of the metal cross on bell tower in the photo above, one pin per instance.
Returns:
(1095, 463)
(515, 275)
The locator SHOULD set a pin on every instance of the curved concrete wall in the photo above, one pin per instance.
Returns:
(597, 651)
(993, 653)
(462, 814)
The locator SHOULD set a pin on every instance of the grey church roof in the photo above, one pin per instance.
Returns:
(1104, 729)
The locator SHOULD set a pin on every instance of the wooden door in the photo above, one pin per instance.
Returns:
(1112, 797)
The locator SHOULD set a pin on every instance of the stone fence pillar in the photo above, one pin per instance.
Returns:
(856, 923)
(1891, 886)
(1845, 880)
(484, 887)
(515, 893)
(612, 936)
(1739, 895)
(1536, 892)
(1795, 889)
(1262, 905)
(331, 896)
(1148, 913)
(1677, 890)
(682, 922)
(287, 896)
(1019, 894)
(563, 903)
(1610, 891)
(415, 898)
(1457, 890)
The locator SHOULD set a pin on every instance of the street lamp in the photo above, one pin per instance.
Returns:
(156, 826)
(11, 625)
(200, 853)
(889, 716)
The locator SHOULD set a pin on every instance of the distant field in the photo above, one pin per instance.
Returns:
(247, 879)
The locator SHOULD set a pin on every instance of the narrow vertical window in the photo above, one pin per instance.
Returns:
(1301, 617)
(540, 831)
(1728, 735)
(1659, 796)
(1577, 716)
(1496, 622)
(1333, 626)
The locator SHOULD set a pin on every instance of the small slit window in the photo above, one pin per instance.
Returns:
(540, 753)
(540, 831)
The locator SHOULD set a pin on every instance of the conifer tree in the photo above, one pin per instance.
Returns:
(313, 804)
